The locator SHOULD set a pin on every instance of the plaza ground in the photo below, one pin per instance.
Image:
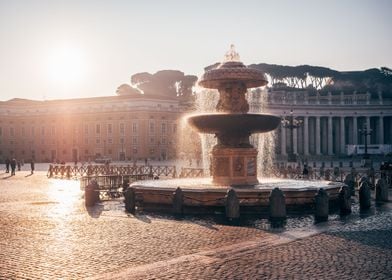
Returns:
(46, 232)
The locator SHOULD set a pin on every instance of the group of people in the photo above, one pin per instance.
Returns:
(12, 164)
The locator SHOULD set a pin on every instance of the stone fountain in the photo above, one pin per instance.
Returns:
(234, 159)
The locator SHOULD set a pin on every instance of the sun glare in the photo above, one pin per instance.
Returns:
(66, 64)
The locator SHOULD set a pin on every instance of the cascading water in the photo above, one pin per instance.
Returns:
(206, 101)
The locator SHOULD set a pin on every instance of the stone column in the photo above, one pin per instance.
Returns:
(368, 127)
(318, 142)
(342, 136)
(381, 130)
(283, 140)
(355, 131)
(330, 136)
(295, 140)
(306, 136)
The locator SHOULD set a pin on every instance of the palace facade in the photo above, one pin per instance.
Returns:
(128, 127)
(117, 127)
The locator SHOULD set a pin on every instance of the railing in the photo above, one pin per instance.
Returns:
(191, 172)
(75, 172)
(112, 186)
(334, 174)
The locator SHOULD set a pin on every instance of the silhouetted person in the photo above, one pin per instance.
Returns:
(13, 166)
(19, 165)
(32, 166)
(305, 171)
(7, 165)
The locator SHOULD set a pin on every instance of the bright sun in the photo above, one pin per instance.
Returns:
(66, 64)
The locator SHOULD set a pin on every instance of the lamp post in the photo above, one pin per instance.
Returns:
(365, 131)
(291, 123)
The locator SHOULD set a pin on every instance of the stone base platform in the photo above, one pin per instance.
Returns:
(200, 196)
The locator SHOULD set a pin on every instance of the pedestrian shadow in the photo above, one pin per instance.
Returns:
(143, 218)
(95, 211)
(9, 176)
(28, 175)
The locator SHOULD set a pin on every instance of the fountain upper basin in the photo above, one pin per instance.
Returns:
(234, 123)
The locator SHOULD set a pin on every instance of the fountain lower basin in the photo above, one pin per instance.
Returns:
(201, 196)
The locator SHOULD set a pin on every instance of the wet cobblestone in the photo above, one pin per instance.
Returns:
(46, 233)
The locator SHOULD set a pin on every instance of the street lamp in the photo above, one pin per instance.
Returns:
(291, 123)
(365, 131)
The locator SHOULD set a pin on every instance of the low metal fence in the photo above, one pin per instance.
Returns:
(76, 172)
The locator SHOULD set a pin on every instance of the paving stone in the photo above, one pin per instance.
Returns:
(46, 232)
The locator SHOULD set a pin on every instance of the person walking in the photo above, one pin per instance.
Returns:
(19, 165)
(7, 165)
(13, 166)
(32, 166)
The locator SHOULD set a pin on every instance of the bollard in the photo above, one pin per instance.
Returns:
(232, 204)
(381, 190)
(277, 205)
(130, 203)
(364, 195)
(344, 200)
(321, 205)
(178, 201)
(350, 182)
(68, 172)
(91, 194)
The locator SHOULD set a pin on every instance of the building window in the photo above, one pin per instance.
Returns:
(152, 140)
(86, 129)
(122, 129)
(33, 131)
(110, 141)
(134, 140)
(23, 131)
(86, 152)
(134, 128)
(11, 131)
(174, 128)
(97, 141)
(134, 151)
(151, 127)
(163, 141)
(163, 128)
(42, 131)
(1, 131)
(110, 128)
(121, 140)
(98, 129)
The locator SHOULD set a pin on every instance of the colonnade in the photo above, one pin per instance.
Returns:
(330, 135)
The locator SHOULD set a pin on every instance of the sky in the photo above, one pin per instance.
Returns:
(69, 49)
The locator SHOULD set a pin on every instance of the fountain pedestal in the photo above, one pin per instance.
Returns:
(234, 166)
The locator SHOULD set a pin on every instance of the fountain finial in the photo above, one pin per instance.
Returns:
(232, 55)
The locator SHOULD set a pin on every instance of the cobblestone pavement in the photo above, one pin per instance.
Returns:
(47, 233)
